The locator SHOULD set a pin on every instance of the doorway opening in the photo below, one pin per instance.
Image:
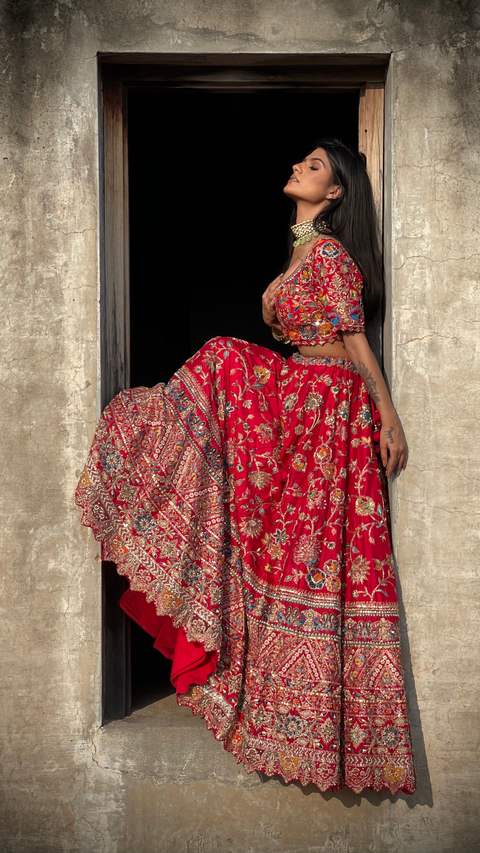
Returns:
(208, 232)
(195, 152)
(208, 218)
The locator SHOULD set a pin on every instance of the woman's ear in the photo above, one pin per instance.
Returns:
(335, 192)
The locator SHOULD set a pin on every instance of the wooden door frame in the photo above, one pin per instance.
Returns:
(117, 75)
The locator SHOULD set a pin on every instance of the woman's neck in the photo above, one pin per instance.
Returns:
(307, 211)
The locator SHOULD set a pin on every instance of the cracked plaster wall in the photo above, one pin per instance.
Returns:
(161, 783)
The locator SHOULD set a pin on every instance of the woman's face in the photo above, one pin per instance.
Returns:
(311, 180)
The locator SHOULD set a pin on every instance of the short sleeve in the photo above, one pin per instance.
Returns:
(340, 283)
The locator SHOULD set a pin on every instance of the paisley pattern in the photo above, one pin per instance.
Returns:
(321, 297)
(245, 498)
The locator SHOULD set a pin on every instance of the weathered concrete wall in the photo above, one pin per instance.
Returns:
(158, 781)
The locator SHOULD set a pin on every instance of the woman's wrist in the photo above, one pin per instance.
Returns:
(387, 412)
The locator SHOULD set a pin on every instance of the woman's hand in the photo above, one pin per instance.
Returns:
(393, 446)
(268, 303)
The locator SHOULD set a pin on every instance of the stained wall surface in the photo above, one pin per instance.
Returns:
(158, 781)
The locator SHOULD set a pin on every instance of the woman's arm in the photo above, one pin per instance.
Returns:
(393, 446)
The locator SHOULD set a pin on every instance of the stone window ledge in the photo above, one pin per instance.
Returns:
(168, 745)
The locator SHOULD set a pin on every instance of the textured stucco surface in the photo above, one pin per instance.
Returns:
(158, 781)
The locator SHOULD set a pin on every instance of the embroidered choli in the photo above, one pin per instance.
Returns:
(321, 297)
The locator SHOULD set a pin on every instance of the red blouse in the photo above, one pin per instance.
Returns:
(321, 297)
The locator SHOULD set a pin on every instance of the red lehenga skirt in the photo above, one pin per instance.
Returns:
(246, 504)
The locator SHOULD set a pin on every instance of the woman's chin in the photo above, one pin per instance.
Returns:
(289, 191)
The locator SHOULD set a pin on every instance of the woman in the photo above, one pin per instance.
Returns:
(245, 501)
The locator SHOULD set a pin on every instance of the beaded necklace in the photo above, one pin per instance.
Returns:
(305, 231)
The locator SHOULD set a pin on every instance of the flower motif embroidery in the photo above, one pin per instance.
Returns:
(280, 536)
(359, 570)
(293, 726)
(308, 331)
(315, 498)
(333, 584)
(322, 454)
(329, 250)
(262, 375)
(299, 462)
(313, 401)
(306, 549)
(331, 567)
(144, 523)
(276, 552)
(316, 579)
(357, 735)
(365, 416)
(192, 574)
(390, 737)
(251, 527)
(365, 505)
(328, 470)
(394, 775)
(111, 459)
(264, 432)
(260, 479)
(290, 402)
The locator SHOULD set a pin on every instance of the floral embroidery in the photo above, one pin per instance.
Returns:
(322, 297)
(270, 545)
(359, 569)
(306, 549)
(260, 479)
(316, 579)
(261, 374)
(365, 505)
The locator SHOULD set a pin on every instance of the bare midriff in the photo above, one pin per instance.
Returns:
(335, 350)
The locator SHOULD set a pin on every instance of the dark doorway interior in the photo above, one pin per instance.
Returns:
(208, 231)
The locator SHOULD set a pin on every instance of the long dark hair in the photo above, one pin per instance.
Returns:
(352, 218)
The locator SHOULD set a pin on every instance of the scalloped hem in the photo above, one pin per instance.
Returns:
(275, 769)
(165, 600)
(182, 618)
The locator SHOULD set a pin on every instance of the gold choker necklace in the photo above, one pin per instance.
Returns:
(306, 231)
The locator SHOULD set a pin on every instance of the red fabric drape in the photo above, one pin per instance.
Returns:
(246, 501)
(191, 664)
